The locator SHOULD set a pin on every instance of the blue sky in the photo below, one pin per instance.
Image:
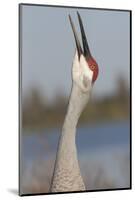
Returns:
(48, 47)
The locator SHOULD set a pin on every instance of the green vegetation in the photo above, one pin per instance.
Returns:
(38, 113)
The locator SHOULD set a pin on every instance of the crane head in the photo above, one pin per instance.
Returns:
(85, 68)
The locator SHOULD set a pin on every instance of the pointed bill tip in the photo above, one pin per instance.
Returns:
(69, 17)
(84, 38)
(78, 13)
(71, 22)
(79, 17)
(79, 49)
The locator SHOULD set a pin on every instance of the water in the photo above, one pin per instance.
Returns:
(103, 151)
(89, 138)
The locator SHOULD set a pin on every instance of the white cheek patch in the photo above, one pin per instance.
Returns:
(85, 68)
(81, 73)
(86, 81)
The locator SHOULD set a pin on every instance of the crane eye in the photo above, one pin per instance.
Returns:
(92, 67)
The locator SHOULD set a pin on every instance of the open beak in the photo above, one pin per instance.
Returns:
(78, 46)
(86, 49)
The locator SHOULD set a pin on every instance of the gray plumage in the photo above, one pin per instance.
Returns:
(67, 176)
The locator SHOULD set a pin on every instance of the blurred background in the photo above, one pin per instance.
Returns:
(103, 134)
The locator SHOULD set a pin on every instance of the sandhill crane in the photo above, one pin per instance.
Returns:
(67, 175)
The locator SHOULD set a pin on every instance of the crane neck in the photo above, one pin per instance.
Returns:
(66, 164)
(77, 102)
